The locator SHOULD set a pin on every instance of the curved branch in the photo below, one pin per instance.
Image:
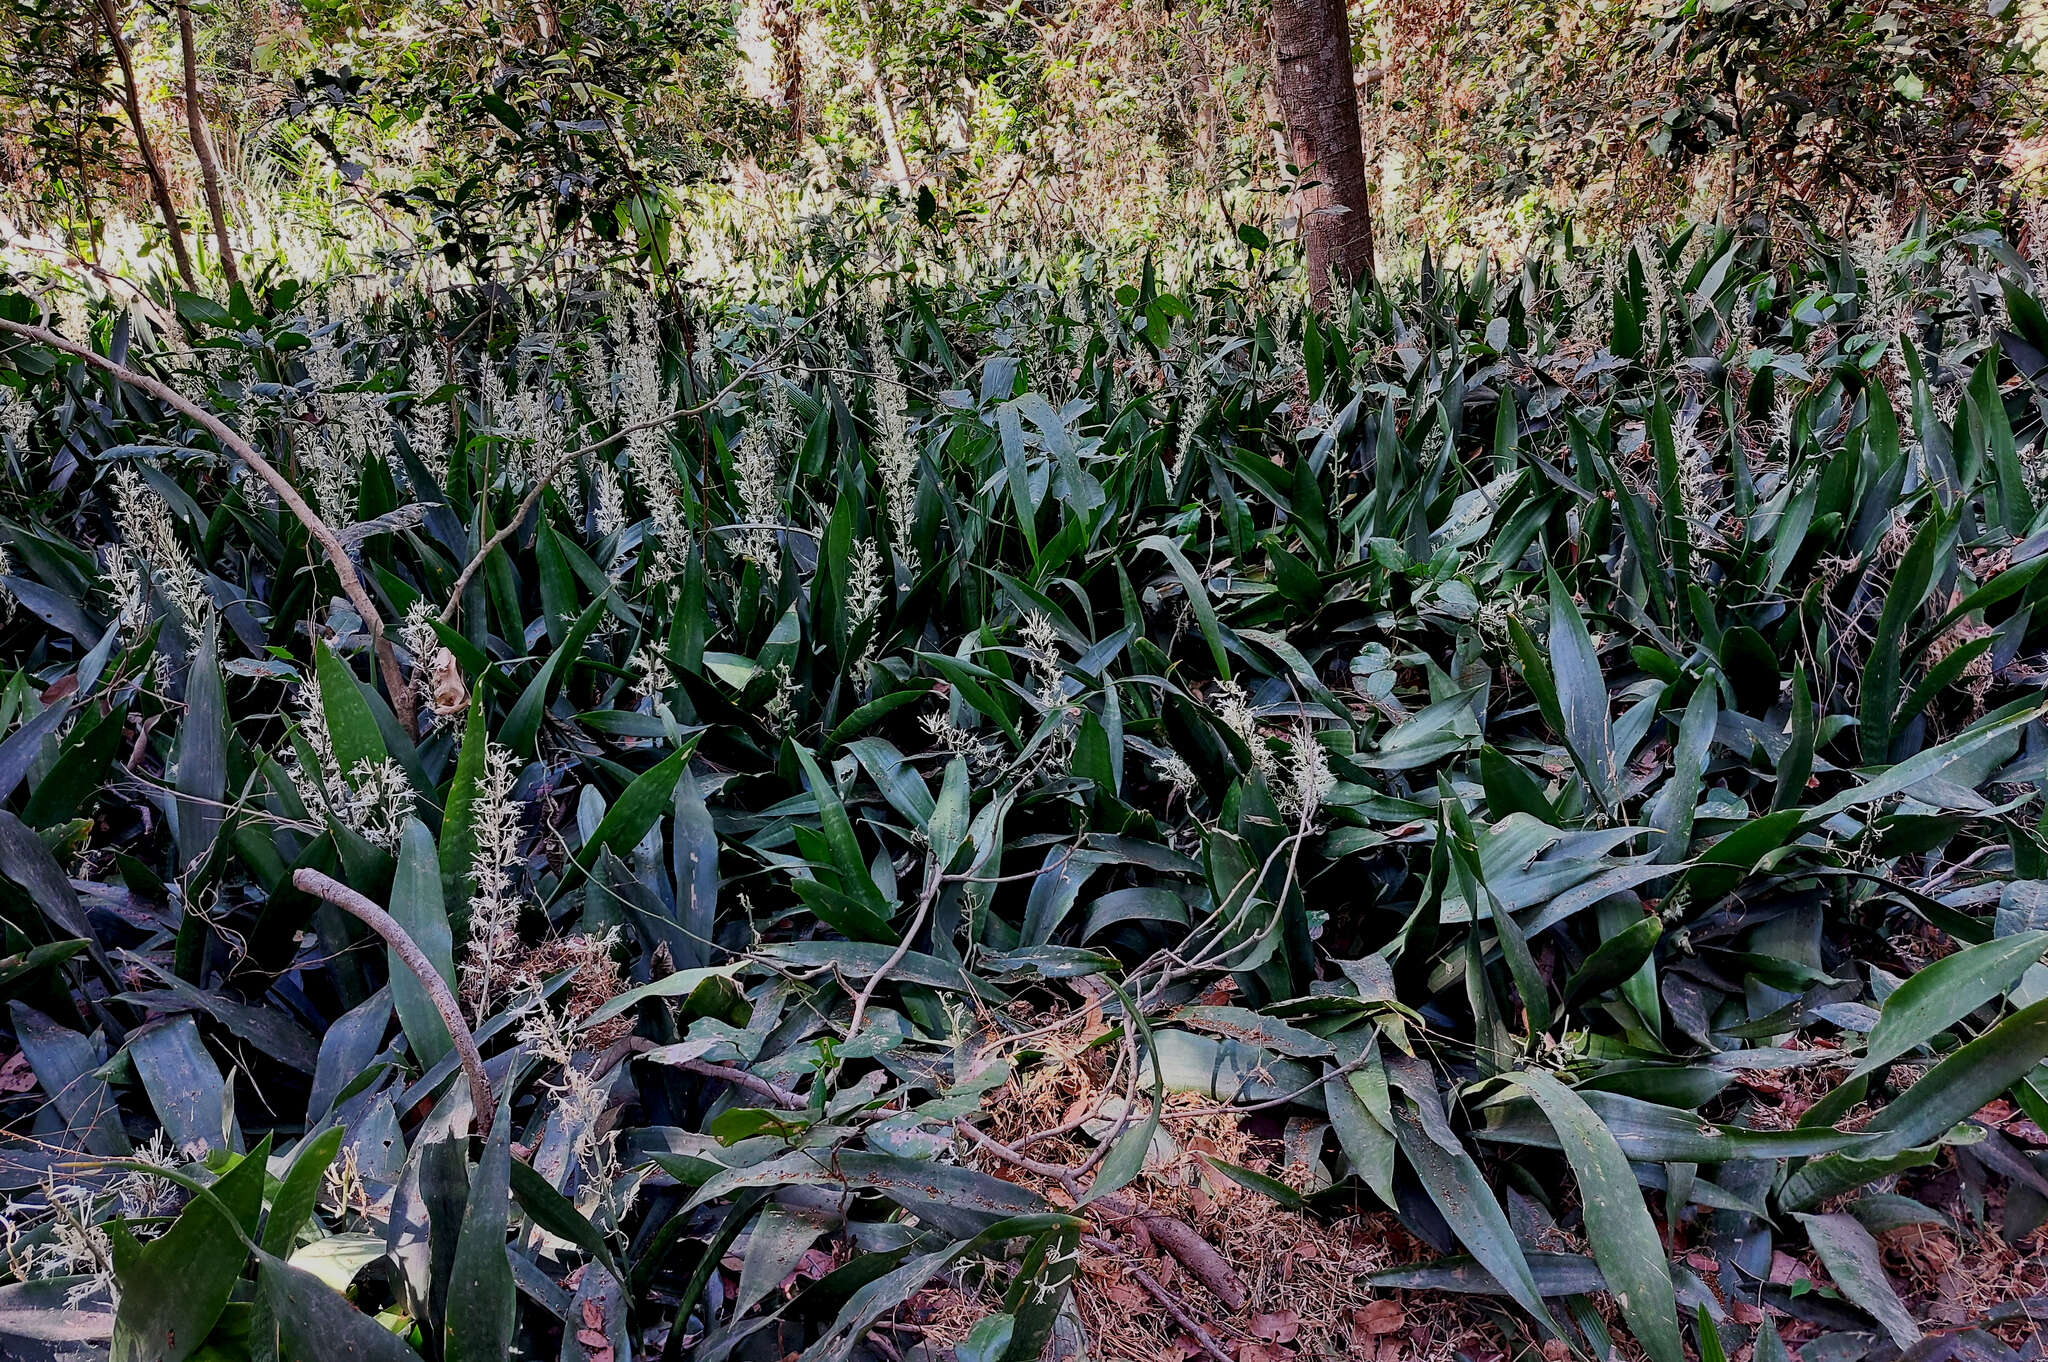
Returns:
(490, 546)
(333, 891)
(924, 907)
(337, 552)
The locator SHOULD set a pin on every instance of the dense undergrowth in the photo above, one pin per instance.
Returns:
(1008, 816)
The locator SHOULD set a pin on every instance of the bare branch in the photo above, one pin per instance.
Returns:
(490, 546)
(924, 907)
(752, 1082)
(383, 924)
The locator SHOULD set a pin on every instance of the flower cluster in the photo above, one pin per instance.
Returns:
(17, 417)
(864, 604)
(1234, 708)
(895, 444)
(353, 425)
(642, 403)
(150, 560)
(70, 1245)
(1049, 685)
(980, 753)
(373, 798)
(493, 904)
(1309, 778)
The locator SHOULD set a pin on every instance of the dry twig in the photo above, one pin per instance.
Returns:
(1165, 1299)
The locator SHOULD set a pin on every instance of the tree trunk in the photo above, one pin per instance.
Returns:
(202, 148)
(1319, 104)
(885, 122)
(785, 31)
(878, 85)
(159, 188)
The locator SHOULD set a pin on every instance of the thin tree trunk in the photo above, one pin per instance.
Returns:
(202, 148)
(885, 108)
(159, 188)
(1319, 104)
(885, 122)
(785, 32)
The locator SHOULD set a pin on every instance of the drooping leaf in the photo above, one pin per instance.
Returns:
(1942, 994)
(1623, 1238)
(1856, 1263)
(1459, 1190)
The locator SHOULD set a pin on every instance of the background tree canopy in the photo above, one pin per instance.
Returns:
(889, 679)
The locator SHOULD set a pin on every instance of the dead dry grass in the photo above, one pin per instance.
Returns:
(1307, 1292)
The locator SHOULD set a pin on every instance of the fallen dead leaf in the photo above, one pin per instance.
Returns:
(1126, 1295)
(596, 1347)
(1785, 1270)
(1381, 1317)
(1263, 1352)
(16, 1075)
(449, 692)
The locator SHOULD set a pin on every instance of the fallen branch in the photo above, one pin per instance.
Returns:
(337, 552)
(787, 1099)
(1037, 1168)
(1165, 1298)
(333, 891)
(1193, 1252)
(752, 1082)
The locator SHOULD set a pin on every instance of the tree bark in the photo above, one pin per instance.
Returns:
(785, 32)
(885, 122)
(159, 188)
(202, 148)
(1319, 104)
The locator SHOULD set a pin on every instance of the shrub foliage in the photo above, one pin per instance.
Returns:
(1563, 742)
